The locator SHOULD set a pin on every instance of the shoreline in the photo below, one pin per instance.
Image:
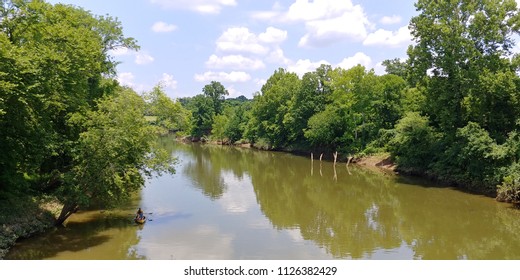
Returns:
(24, 219)
(36, 215)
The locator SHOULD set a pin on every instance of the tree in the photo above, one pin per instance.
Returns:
(271, 108)
(457, 41)
(396, 67)
(217, 92)
(66, 126)
(463, 62)
(203, 113)
(413, 144)
(220, 125)
(170, 115)
(310, 99)
(54, 62)
(113, 153)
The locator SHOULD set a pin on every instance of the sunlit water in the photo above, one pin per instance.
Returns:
(232, 203)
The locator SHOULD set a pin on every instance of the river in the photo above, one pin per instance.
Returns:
(233, 203)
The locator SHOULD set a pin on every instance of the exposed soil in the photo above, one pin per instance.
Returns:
(381, 163)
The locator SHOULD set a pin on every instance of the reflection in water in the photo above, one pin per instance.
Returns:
(88, 235)
(354, 213)
(231, 203)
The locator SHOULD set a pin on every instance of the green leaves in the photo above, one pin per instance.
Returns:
(116, 145)
(169, 115)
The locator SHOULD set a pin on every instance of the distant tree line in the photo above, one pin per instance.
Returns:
(451, 111)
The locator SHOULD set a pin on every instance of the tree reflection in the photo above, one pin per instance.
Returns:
(355, 213)
(117, 234)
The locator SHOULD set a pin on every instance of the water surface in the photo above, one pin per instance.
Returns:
(233, 203)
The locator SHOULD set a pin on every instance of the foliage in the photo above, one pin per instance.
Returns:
(509, 189)
(220, 124)
(170, 115)
(66, 127)
(113, 153)
(413, 144)
(310, 99)
(449, 111)
(271, 108)
(396, 67)
(217, 92)
(203, 113)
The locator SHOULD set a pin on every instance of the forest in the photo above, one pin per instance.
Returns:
(68, 130)
(450, 111)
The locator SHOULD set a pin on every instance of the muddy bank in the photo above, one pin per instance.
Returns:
(25, 218)
(381, 163)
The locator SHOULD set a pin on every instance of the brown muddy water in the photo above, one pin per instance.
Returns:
(231, 203)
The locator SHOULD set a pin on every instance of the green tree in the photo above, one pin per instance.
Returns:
(396, 67)
(413, 146)
(170, 115)
(66, 126)
(203, 113)
(271, 108)
(220, 124)
(54, 63)
(464, 64)
(113, 153)
(312, 97)
(217, 92)
(458, 41)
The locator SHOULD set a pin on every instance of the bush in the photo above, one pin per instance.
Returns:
(509, 190)
(413, 144)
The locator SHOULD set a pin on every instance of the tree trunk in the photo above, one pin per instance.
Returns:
(67, 210)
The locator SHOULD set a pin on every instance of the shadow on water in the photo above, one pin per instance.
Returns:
(93, 229)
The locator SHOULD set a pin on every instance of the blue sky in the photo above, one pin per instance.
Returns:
(185, 44)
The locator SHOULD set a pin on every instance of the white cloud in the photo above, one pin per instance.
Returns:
(326, 21)
(390, 20)
(126, 79)
(240, 39)
(233, 93)
(260, 82)
(379, 69)
(234, 61)
(303, 66)
(200, 6)
(266, 15)
(383, 37)
(273, 35)
(161, 27)
(121, 51)
(277, 57)
(352, 25)
(142, 58)
(358, 58)
(303, 10)
(234, 76)
(168, 82)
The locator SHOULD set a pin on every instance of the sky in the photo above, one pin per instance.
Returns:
(186, 44)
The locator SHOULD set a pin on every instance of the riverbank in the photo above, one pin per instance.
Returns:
(25, 218)
(377, 162)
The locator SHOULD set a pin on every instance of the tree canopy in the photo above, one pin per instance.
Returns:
(66, 127)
